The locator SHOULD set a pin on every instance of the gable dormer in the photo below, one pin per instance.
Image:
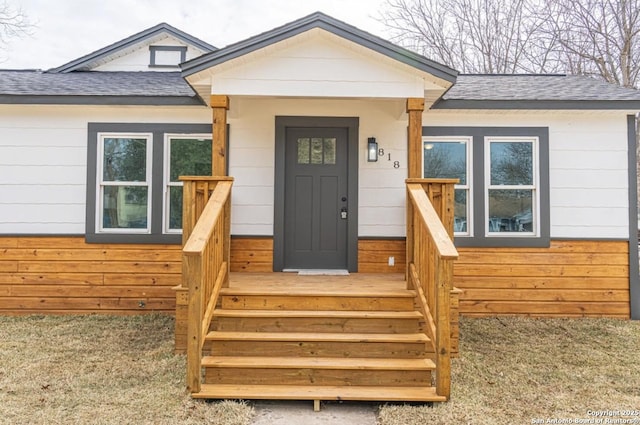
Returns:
(159, 48)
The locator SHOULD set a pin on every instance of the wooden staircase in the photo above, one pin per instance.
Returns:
(322, 337)
(298, 342)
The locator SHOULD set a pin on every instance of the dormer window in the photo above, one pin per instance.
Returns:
(167, 56)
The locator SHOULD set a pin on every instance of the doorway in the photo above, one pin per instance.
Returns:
(316, 193)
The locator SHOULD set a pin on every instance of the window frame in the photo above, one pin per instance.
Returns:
(478, 191)
(535, 207)
(156, 235)
(468, 141)
(99, 216)
(153, 50)
(167, 183)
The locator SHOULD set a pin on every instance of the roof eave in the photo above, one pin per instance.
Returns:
(106, 100)
(626, 105)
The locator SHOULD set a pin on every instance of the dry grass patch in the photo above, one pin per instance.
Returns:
(514, 370)
(99, 370)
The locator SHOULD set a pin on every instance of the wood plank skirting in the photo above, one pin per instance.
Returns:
(251, 254)
(67, 275)
(568, 279)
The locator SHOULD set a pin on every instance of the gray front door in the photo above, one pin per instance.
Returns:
(316, 204)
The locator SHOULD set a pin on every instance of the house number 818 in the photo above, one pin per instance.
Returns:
(396, 164)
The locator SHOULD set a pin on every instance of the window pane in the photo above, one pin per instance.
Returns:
(316, 151)
(303, 151)
(168, 57)
(124, 159)
(190, 157)
(445, 160)
(511, 163)
(460, 208)
(175, 207)
(510, 211)
(124, 207)
(330, 151)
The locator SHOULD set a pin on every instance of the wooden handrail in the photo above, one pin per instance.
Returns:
(430, 256)
(205, 225)
(425, 211)
(205, 260)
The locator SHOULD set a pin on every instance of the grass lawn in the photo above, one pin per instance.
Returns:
(99, 370)
(122, 370)
(519, 370)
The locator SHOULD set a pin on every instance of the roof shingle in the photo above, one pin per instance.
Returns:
(38, 83)
(537, 88)
(91, 87)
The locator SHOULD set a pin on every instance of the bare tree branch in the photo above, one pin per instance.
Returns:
(591, 37)
(13, 23)
(598, 37)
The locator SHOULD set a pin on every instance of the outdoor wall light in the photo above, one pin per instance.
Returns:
(372, 149)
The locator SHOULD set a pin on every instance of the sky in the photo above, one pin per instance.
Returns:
(68, 29)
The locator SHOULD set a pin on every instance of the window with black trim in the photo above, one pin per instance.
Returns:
(503, 195)
(133, 191)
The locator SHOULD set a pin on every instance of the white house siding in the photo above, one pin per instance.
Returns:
(317, 64)
(43, 162)
(589, 181)
(251, 158)
(43, 154)
(139, 59)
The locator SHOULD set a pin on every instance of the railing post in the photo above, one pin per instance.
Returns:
(444, 270)
(415, 108)
(409, 240)
(192, 265)
(219, 104)
(189, 215)
(226, 248)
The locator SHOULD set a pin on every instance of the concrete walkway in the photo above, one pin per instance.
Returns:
(301, 413)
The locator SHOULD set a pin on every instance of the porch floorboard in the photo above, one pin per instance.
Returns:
(353, 284)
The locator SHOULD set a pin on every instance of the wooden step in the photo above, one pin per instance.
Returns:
(398, 301)
(344, 314)
(318, 363)
(320, 290)
(299, 344)
(318, 371)
(318, 321)
(310, 392)
(325, 337)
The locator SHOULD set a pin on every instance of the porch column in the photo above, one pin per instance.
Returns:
(219, 104)
(415, 107)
